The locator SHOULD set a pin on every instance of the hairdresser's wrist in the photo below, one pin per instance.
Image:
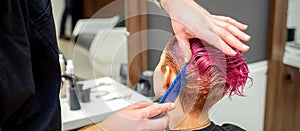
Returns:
(173, 6)
(94, 127)
(108, 124)
(166, 4)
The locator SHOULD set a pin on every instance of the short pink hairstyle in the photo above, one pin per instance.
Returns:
(210, 72)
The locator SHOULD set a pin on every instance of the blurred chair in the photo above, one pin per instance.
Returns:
(108, 52)
(86, 29)
(99, 49)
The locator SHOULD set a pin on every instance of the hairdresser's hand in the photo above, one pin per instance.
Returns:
(137, 117)
(189, 20)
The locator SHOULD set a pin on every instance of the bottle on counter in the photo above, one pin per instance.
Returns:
(67, 83)
(70, 86)
(62, 64)
(69, 67)
(72, 92)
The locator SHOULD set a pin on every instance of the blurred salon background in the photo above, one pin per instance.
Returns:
(115, 39)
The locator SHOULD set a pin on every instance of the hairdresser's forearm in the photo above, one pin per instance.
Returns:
(172, 6)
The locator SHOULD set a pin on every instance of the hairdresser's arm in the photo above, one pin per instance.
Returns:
(138, 117)
(189, 20)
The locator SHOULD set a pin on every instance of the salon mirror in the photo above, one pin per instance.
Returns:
(95, 36)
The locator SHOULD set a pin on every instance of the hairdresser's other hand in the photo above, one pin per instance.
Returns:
(137, 117)
(189, 20)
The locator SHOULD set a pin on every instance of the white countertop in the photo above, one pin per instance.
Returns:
(292, 54)
(105, 99)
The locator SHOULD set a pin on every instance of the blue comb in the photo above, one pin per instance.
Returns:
(176, 87)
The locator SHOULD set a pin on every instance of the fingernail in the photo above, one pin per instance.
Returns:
(245, 47)
(233, 52)
(247, 37)
(172, 105)
(245, 26)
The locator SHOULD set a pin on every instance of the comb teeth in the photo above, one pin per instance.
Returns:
(177, 85)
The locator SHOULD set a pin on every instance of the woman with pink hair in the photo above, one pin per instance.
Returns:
(211, 74)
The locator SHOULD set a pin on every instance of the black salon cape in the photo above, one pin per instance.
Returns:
(29, 67)
(224, 127)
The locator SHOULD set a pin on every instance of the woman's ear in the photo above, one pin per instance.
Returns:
(167, 77)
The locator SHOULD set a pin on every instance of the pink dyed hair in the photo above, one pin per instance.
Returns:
(210, 70)
(236, 69)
